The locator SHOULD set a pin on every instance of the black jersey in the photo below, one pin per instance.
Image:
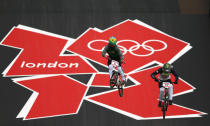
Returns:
(114, 52)
(164, 75)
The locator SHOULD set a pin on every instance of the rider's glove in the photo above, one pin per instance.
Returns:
(156, 80)
(123, 61)
(159, 81)
(107, 57)
(175, 82)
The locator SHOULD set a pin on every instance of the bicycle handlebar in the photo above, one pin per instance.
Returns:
(163, 81)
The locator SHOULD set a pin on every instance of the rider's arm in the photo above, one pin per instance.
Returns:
(120, 53)
(175, 75)
(155, 73)
(104, 51)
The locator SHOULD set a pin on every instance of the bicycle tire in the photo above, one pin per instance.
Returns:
(112, 85)
(164, 114)
(165, 104)
(120, 90)
(166, 101)
(164, 109)
(114, 76)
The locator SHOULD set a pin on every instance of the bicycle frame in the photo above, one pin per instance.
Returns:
(118, 81)
(165, 98)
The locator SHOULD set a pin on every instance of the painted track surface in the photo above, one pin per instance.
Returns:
(72, 18)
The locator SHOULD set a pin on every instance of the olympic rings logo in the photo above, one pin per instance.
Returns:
(132, 48)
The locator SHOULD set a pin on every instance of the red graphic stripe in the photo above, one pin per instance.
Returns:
(41, 55)
(129, 30)
(141, 100)
(58, 95)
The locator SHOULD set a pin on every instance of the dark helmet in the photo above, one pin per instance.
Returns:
(167, 67)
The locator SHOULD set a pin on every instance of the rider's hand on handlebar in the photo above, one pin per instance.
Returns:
(156, 80)
(175, 82)
(107, 57)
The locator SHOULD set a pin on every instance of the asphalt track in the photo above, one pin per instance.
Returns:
(71, 18)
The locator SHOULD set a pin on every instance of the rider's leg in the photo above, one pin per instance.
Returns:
(111, 68)
(170, 93)
(161, 92)
(121, 73)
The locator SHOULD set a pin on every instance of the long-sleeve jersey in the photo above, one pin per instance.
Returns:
(113, 52)
(163, 75)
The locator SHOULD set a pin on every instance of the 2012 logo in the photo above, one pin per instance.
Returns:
(44, 68)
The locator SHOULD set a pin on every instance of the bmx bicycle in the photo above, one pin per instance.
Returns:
(165, 98)
(117, 81)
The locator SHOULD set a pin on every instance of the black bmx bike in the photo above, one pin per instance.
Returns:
(165, 98)
(117, 81)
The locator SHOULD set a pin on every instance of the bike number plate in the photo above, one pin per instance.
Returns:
(115, 63)
(166, 84)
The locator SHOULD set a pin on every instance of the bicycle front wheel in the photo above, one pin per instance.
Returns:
(114, 78)
(120, 90)
(164, 113)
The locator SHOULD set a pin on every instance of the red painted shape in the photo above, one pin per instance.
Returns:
(102, 80)
(58, 95)
(141, 100)
(40, 48)
(129, 30)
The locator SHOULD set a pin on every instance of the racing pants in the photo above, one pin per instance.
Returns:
(170, 92)
(119, 68)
